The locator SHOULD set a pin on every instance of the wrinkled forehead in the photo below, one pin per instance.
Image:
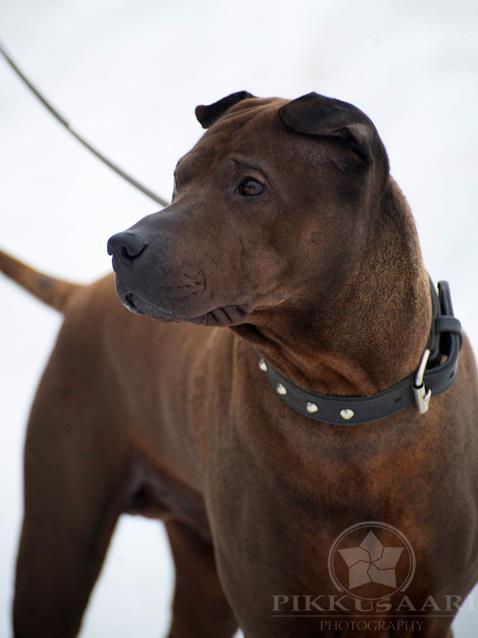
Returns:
(251, 129)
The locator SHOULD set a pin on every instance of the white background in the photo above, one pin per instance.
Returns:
(128, 75)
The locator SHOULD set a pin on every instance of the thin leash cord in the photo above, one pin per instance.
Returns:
(59, 118)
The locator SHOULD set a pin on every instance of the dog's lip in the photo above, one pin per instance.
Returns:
(128, 302)
(221, 315)
(231, 314)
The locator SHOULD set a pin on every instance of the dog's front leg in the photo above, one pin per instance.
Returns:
(200, 608)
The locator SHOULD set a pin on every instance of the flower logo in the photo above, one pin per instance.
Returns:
(371, 561)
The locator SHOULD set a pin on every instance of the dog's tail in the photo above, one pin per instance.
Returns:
(53, 292)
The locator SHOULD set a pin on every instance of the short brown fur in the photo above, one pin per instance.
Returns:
(175, 420)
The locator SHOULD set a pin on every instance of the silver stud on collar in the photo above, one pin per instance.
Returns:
(263, 365)
(311, 408)
(281, 389)
(346, 414)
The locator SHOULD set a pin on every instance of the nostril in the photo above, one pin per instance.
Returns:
(132, 253)
(126, 246)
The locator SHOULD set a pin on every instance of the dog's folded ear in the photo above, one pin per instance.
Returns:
(315, 114)
(207, 114)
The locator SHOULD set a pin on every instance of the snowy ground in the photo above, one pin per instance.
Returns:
(128, 74)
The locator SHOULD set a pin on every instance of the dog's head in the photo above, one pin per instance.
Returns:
(267, 208)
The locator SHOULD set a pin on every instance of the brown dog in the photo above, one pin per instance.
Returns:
(287, 228)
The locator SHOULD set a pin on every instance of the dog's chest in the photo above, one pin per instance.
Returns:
(154, 493)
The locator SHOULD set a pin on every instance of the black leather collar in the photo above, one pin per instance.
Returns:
(436, 373)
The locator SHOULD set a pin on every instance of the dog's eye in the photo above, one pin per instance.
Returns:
(250, 187)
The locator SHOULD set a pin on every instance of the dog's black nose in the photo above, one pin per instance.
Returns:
(127, 246)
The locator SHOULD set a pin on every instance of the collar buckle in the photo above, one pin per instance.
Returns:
(421, 394)
(436, 373)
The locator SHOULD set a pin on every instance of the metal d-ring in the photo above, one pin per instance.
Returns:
(421, 394)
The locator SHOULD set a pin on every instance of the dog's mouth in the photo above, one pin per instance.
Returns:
(222, 316)
(129, 303)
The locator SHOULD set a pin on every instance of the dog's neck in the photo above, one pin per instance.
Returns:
(368, 330)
